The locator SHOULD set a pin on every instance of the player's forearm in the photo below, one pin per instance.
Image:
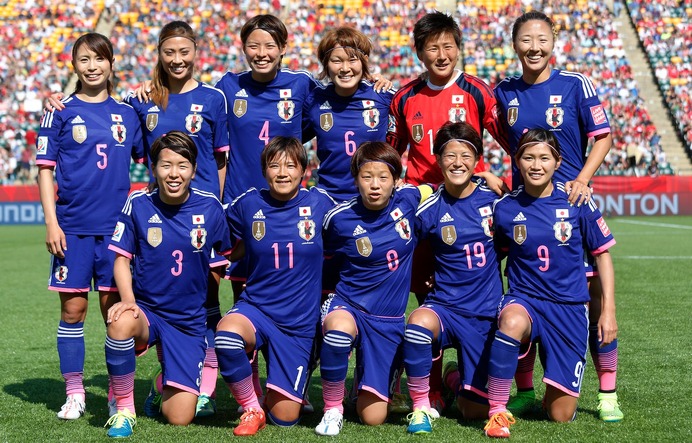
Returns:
(606, 275)
(596, 157)
(47, 195)
(123, 279)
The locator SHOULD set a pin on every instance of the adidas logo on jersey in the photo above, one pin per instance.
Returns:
(358, 231)
(514, 102)
(446, 218)
(325, 105)
(520, 217)
(154, 109)
(241, 93)
(76, 120)
(155, 219)
(259, 215)
(418, 116)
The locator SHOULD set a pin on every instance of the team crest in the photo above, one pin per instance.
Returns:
(61, 273)
(119, 132)
(371, 118)
(554, 116)
(512, 116)
(417, 133)
(326, 121)
(563, 230)
(457, 115)
(239, 107)
(449, 234)
(152, 121)
(79, 133)
(286, 108)
(154, 236)
(193, 123)
(404, 229)
(364, 246)
(519, 234)
(198, 237)
(487, 224)
(258, 230)
(306, 229)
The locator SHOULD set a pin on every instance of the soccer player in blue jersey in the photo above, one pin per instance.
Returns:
(548, 298)
(374, 233)
(279, 231)
(165, 242)
(461, 310)
(347, 111)
(566, 104)
(89, 146)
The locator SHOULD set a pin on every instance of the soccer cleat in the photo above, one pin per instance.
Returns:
(437, 404)
(331, 423)
(72, 409)
(498, 425)
(121, 424)
(308, 408)
(522, 403)
(609, 408)
(419, 422)
(112, 407)
(152, 404)
(206, 406)
(251, 422)
(399, 404)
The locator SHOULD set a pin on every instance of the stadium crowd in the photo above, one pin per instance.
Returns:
(33, 59)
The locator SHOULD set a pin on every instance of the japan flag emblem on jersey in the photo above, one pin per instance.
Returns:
(404, 229)
(554, 116)
(193, 123)
(487, 224)
(371, 118)
(119, 132)
(61, 274)
(457, 115)
(306, 229)
(563, 231)
(198, 237)
(286, 109)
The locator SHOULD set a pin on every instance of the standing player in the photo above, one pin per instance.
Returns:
(418, 111)
(374, 233)
(461, 310)
(346, 112)
(165, 242)
(89, 146)
(548, 299)
(279, 230)
(566, 104)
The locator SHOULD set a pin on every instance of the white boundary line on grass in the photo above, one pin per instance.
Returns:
(660, 225)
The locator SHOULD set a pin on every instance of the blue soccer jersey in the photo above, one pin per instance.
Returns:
(341, 124)
(467, 270)
(284, 252)
(258, 112)
(90, 146)
(545, 240)
(565, 104)
(377, 247)
(199, 113)
(172, 249)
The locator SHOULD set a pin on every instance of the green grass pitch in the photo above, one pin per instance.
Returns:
(653, 265)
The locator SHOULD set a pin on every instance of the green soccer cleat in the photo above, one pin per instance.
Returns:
(419, 422)
(523, 403)
(609, 408)
(206, 406)
(399, 404)
(121, 424)
(152, 404)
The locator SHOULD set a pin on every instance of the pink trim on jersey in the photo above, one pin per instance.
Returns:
(560, 387)
(603, 248)
(220, 262)
(243, 279)
(286, 394)
(46, 163)
(377, 394)
(476, 391)
(222, 149)
(591, 274)
(108, 288)
(598, 132)
(68, 290)
(140, 160)
(182, 387)
(120, 251)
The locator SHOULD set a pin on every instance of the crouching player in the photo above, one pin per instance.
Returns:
(172, 237)
(548, 298)
(461, 310)
(279, 231)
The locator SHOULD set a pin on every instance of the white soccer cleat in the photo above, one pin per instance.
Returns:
(331, 423)
(72, 409)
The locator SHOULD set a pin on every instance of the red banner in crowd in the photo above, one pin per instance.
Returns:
(665, 195)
